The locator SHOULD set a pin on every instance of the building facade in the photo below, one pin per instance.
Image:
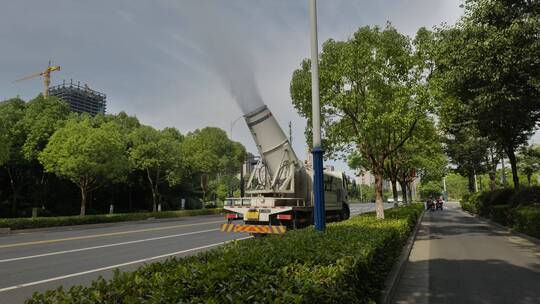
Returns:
(81, 99)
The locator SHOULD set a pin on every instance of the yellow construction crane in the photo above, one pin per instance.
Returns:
(46, 77)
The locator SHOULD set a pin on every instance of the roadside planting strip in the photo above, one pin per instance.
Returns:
(117, 265)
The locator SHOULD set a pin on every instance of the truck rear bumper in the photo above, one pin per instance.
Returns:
(262, 229)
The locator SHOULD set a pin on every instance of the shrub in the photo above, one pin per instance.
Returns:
(481, 203)
(468, 206)
(500, 214)
(41, 222)
(526, 219)
(499, 196)
(346, 264)
(469, 201)
(526, 196)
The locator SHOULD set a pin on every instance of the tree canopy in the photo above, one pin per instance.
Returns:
(372, 93)
(489, 64)
(209, 151)
(43, 116)
(87, 155)
(529, 161)
(158, 154)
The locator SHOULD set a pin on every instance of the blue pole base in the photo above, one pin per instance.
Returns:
(318, 189)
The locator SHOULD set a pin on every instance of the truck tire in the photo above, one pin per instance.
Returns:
(345, 212)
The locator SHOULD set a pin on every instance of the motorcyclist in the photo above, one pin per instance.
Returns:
(429, 203)
(439, 203)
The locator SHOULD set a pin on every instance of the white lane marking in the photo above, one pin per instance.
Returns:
(116, 266)
(104, 234)
(104, 246)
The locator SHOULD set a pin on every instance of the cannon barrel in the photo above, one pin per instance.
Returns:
(272, 143)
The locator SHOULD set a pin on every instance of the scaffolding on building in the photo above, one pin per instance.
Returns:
(81, 99)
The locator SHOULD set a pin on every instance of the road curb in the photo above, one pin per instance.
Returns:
(394, 276)
(505, 228)
(101, 225)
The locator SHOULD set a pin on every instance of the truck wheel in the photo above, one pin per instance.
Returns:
(345, 212)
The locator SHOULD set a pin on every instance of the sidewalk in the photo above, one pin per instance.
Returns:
(458, 258)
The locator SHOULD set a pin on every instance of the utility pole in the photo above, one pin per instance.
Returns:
(475, 182)
(317, 151)
(503, 173)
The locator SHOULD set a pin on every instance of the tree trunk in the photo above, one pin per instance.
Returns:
(83, 200)
(492, 180)
(480, 183)
(493, 171)
(395, 192)
(379, 207)
(13, 190)
(513, 164)
(154, 201)
(203, 188)
(403, 186)
(154, 194)
(529, 179)
(409, 190)
(130, 197)
(472, 186)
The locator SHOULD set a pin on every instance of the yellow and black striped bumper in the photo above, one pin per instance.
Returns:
(253, 228)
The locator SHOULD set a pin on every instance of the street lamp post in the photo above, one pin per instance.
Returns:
(231, 192)
(233, 123)
(318, 181)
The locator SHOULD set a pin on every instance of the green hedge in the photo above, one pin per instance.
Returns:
(347, 263)
(40, 222)
(519, 210)
(501, 214)
(526, 219)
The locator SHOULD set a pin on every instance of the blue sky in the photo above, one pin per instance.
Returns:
(170, 62)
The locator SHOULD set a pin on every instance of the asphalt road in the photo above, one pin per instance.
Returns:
(458, 258)
(42, 260)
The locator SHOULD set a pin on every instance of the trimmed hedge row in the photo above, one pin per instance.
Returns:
(519, 210)
(347, 263)
(41, 222)
(526, 219)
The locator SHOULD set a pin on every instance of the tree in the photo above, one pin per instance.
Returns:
(529, 161)
(208, 152)
(12, 112)
(4, 146)
(43, 116)
(489, 62)
(87, 155)
(467, 152)
(158, 154)
(372, 93)
(421, 156)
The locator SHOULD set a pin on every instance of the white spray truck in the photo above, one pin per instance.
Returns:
(279, 192)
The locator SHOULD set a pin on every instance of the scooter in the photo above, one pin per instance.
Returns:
(438, 205)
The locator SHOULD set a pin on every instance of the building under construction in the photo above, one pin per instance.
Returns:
(81, 99)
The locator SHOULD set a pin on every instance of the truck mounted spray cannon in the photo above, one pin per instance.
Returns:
(278, 193)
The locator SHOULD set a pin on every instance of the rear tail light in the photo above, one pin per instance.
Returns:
(231, 215)
(285, 217)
